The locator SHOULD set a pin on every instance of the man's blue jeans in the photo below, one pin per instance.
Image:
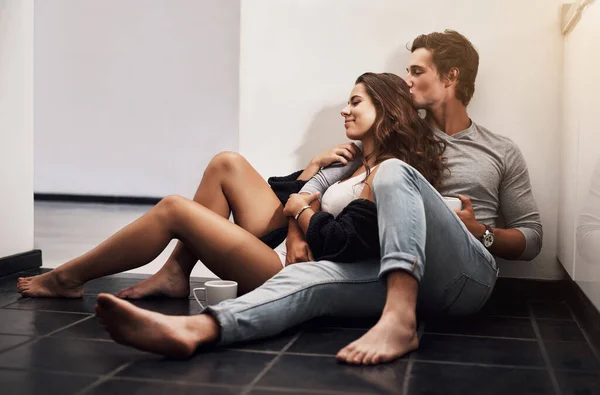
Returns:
(418, 234)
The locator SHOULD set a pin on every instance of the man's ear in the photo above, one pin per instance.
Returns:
(452, 76)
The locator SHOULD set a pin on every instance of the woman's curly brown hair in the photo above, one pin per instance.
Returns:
(399, 131)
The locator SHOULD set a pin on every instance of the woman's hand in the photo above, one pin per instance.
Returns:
(297, 201)
(340, 153)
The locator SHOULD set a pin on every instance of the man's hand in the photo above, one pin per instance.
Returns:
(297, 201)
(467, 216)
(297, 251)
(340, 153)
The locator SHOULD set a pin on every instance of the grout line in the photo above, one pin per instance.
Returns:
(46, 311)
(68, 326)
(544, 352)
(307, 391)
(248, 350)
(104, 378)
(305, 354)
(411, 358)
(584, 333)
(483, 365)
(34, 339)
(31, 339)
(87, 339)
(481, 336)
(250, 386)
(169, 381)
(50, 371)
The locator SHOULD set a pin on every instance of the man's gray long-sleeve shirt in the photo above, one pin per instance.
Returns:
(485, 167)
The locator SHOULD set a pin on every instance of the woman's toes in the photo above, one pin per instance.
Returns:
(358, 358)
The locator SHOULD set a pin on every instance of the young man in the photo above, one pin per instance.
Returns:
(488, 174)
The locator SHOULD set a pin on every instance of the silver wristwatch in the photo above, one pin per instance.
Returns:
(488, 237)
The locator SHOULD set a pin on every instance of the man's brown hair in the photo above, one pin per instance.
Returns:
(451, 49)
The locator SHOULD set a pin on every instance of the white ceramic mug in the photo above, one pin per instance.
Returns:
(453, 203)
(216, 291)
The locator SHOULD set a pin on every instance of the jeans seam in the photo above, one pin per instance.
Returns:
(305, 287)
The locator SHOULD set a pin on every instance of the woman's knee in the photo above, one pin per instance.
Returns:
(393, 173)
(226, 162)
(169, 208)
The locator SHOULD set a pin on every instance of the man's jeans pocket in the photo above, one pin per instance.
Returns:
(463, 296)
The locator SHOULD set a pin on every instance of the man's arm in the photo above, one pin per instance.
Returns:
(521, 238)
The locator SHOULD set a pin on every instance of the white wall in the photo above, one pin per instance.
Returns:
(133, 97)
(16, 128)
(579, 209)
(299, 61)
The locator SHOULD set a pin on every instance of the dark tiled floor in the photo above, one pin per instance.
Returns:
(523, 346)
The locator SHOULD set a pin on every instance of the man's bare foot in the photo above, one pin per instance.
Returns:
(392, 337)
(169, 281)
(49, 285)
(176, 337)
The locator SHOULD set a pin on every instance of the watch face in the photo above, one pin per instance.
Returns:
(488, 239)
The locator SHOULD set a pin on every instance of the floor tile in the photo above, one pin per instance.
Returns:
(558, 330)
(15, 382)
(554, 310)
(325, 340)
(275, 343)
(343, 322)
(8, 297)
(446, 379)
(578, 383)
(69, 355)
(505, 307)
(479, 350)
(7, 341)
(484, 326)
(572, 355)
(134, 387)
(88, 329)
(216, 366)
(325, 374)
(85, 304)
(35, 323)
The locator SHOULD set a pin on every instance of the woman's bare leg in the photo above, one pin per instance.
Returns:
(229, 185)
(227, 249)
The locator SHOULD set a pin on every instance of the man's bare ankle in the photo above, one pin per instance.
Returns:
(205, 328)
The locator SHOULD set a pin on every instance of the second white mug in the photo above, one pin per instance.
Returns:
(453, 203)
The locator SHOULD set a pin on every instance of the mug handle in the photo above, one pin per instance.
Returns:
(196, 297)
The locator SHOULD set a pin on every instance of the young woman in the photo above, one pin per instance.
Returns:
(379, 113)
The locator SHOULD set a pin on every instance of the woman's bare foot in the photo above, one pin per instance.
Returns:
(49, 285)
(173, 336)
(169, 281)
(392, 337)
